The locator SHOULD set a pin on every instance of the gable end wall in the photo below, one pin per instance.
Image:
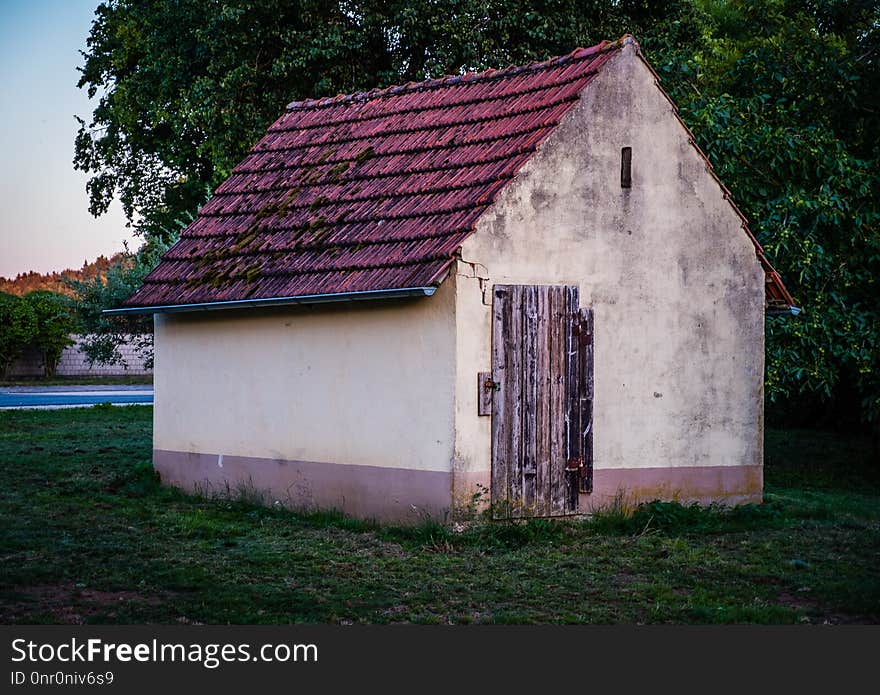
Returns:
(676, 288)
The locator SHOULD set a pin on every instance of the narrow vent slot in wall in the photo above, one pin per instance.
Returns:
(626, 167)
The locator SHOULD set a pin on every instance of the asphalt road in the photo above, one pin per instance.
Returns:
(73, 396)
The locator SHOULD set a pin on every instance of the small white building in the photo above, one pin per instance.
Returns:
(525, 282)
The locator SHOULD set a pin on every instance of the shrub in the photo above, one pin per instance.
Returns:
(18, 327)
(54, 324)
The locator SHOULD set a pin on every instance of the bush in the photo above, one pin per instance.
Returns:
(18, 328)
(54, 324)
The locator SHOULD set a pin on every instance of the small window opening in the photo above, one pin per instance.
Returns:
(626, 167)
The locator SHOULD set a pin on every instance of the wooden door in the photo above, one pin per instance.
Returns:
(542, 403)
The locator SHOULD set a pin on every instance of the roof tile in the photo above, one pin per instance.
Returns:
(368, 191)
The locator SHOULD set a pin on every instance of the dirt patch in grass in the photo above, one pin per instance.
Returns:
(800, 602)
(69, 604)
(804, 604)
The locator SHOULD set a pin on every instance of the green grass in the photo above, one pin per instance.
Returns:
(88, 535)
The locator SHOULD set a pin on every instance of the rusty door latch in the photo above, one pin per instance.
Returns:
(574, 464)
(486, 388)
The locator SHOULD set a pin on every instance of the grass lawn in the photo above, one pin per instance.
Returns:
(88, 535)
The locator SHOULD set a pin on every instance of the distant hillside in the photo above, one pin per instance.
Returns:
(30, 281)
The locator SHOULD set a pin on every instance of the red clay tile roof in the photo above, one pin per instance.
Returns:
(371, 191)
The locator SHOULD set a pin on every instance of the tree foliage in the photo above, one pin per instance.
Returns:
(18, 325)
(104, 335)
(778, 93)
(40, 320)
(54, 281)
(54, 323)
(185, 87)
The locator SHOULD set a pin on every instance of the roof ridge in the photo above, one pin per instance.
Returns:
(468, 77)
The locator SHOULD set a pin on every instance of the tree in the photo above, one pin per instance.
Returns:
(18, 325)
(188, 86)
(54, 324)
(104, 335)
(777, 92)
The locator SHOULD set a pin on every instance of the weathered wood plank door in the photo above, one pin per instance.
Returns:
(542, 402)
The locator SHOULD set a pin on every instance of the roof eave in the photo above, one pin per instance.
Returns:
(394, 293)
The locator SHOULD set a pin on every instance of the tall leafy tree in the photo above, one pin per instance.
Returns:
(185, 87)
(778, 93)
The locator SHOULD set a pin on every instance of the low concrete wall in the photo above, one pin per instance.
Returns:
(628, 487)
(74, 363)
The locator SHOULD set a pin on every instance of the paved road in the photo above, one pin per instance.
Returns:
(73, 396)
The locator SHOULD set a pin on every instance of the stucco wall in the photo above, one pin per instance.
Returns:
(674, 282)
(362, 388)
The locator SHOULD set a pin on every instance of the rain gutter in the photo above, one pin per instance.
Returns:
(276, 301)
(793, 310)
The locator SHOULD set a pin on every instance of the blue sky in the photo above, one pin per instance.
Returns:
(44, 218)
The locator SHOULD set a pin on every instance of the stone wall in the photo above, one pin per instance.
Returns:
(74, 363)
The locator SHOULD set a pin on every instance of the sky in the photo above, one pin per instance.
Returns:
(45, 223)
